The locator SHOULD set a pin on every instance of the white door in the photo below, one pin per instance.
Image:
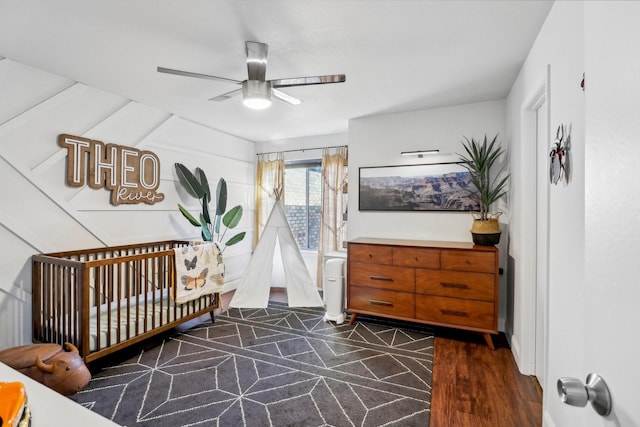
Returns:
(612, 221)
(608, 321)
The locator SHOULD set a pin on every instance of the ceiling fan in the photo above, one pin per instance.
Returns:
(256, 91)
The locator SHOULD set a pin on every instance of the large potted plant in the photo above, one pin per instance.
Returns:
(197, 186)
(487, 186)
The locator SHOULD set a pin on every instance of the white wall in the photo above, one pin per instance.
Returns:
(42, 214)
(559, 46)
(378, 141)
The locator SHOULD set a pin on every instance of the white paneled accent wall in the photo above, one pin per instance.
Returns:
(41, 213)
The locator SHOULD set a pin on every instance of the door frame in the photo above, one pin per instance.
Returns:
(525, 349)
(542, 218)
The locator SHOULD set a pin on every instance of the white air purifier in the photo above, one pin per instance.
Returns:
(334, 290)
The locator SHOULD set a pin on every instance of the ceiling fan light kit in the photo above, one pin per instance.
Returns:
(256, 94)
(256, 90)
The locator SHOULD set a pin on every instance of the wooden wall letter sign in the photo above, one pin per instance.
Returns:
(132, 175)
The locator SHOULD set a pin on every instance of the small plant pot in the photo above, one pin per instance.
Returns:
(489, 239)
(486, 232)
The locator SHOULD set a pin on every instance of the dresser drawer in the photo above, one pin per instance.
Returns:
(372, 254)
(381, 301)
(382, 276)
(459, 284)
(483, 262)
(416, 257)
(454, 311)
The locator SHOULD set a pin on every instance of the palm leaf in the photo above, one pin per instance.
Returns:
(205, 208)
(188, 215)
(232, 218)
(216, 225)
(204, 182)
(189, 181)
(221, 197)
(206, 233)
(235, 239)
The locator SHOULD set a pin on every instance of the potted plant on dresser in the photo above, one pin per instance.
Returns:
(487, 186)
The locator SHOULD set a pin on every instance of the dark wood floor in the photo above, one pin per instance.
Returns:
(472, 385)
(476, 386)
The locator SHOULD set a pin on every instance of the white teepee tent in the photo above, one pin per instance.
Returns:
(253, 291)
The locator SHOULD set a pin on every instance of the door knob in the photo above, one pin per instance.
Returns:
(574, 393)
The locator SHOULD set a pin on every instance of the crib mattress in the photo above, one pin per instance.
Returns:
(111, 330)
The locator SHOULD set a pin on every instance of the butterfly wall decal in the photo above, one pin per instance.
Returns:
(191, 283)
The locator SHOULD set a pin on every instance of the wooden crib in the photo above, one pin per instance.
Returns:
(105, 299)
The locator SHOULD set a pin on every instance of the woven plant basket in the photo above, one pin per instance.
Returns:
(485, 227)
(486, 232)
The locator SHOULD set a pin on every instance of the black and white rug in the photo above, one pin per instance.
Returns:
(277, 366)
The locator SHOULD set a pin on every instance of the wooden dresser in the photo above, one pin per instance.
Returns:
(451, 284)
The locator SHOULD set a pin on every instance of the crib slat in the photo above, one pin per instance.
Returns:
(157, 292)
(97, 297)
(36, 295)
(76, 305)
(55, 302)
(135, 278)
(128, 288)
(108, 285)
(118, 273)
(83, 287)
(145, 281)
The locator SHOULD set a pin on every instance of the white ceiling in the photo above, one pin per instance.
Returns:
(397, 55)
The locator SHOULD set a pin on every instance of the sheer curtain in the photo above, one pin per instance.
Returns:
(269, 176)
(334, 204)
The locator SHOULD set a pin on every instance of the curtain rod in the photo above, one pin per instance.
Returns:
(303, 149)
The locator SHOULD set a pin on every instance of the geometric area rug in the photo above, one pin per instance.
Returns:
(276, 366)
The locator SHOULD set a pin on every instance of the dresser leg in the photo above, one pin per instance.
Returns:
(353, 318)
(487, 338)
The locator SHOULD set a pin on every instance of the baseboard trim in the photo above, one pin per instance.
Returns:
(526, 364)
(515, 348)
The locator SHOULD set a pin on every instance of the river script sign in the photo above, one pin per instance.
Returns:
(132, 175)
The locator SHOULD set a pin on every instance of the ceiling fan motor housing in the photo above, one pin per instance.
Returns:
(256, 94)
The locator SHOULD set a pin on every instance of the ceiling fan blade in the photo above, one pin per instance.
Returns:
(285, 97)
(196, 75)
(257, 60)
(310, 80)
(226, 96)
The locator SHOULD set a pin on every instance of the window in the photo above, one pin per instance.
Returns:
(303, 186)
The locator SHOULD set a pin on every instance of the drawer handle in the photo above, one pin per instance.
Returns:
(376, 302)
(454, 285)
(383, 278)
(454, 313)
